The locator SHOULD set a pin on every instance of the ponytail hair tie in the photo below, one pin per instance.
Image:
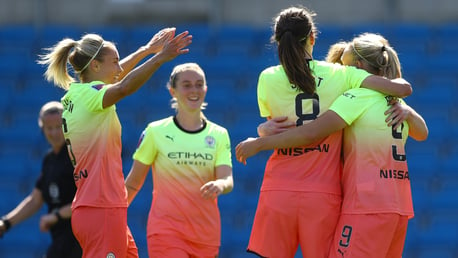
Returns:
(281, 35)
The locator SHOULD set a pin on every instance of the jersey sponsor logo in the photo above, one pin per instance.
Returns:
(53, 191)
(79, 175)
(394, 174)
(191, 158)
(349, 95)
(169, 137)
(302, 151)
(68, 105)
(111, 255)
(190, 155)
(192, 163)
(210, 141)
(318, 81)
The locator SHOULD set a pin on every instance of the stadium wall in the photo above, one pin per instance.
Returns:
(255, 12)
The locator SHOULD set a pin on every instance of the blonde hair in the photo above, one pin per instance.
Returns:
(52, 107)
(335, 52)
(177, 70)
(375, 50)
(78, 53)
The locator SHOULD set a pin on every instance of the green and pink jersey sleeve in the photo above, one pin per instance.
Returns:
(375, 174)
(317, 167)
(182, 162)
(93, 136)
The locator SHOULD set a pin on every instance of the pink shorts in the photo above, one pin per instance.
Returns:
(369, 235)
(102, 232)
(171, 246)
(284, 220)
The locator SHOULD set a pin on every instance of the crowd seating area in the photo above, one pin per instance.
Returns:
(232, 57)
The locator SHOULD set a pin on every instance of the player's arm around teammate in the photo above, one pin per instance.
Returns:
(344, 53)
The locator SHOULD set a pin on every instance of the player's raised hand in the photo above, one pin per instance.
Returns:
(158, 41)
(176, 46)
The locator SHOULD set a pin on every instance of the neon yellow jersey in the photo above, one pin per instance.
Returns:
(93, 136)
(375, 174)
(314, 168)
(182, 162)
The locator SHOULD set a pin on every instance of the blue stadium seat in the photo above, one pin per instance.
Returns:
(442, 64)
(414, 68)
(51, 34)
(235, 40)
(446, 194)
(262, 39)
(18, 39)
(220, 93)
(35, 92)
(430, 252)
(328, 35)
(33, 70)
(203, 41)
(137, 36)
(7, 87)
(113, 33)
(267, 50)
(230, 67)
(232, 58)
(410, 39)
(440, 231)
(12, 65)
(377, 28)
(25, 234)
(421, 191)
(450, 165)
(446, 39)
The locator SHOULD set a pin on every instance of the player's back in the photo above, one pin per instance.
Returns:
(375, 175)
(316, 167)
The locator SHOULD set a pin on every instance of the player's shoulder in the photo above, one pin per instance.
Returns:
(272, 70)
(216, 127)
(90, 86)
(325, 67)
(323, 63)
(364, 92)
(164, 122)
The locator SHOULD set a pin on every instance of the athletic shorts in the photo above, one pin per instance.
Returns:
(283, 220)
(369, 235)
(103, 232)
(171, 246)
